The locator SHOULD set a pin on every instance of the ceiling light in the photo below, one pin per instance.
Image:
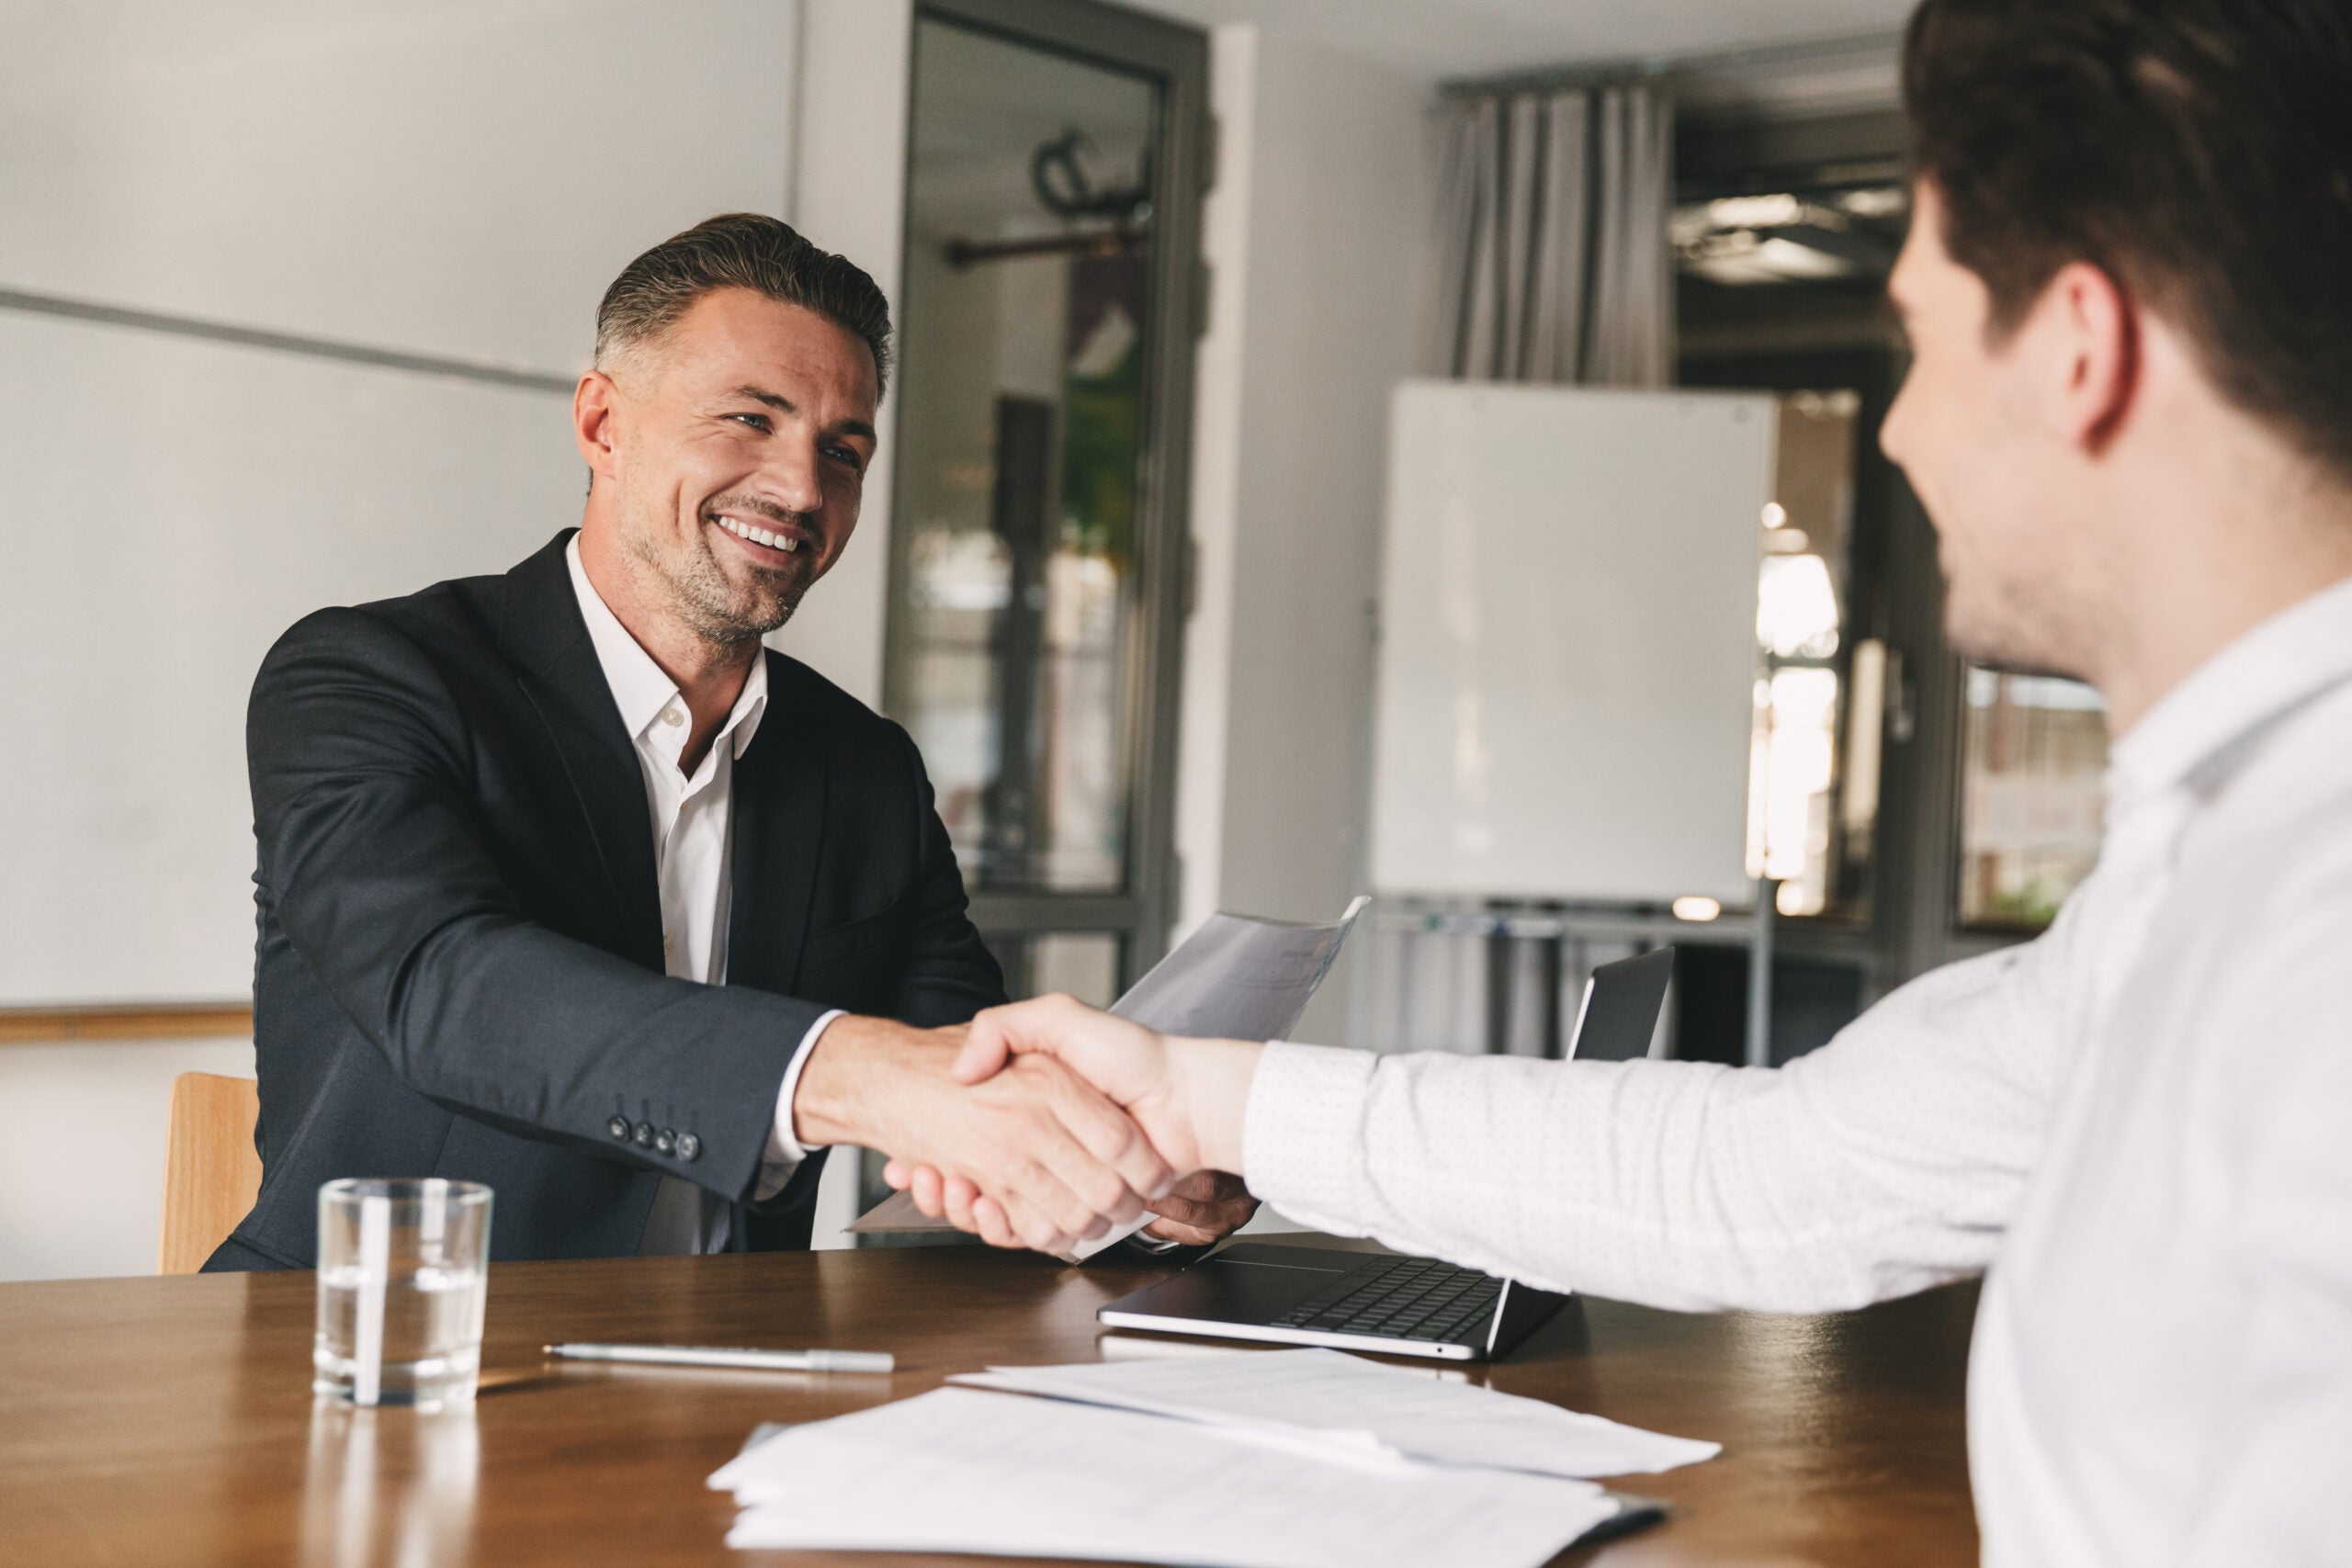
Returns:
(1755, 211)
(1875, 201)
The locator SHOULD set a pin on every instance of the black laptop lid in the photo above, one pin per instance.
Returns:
(1620, 1008)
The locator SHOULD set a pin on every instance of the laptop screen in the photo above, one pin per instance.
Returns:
(1620, 1010)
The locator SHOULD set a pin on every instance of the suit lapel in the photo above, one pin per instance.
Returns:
(544, 636)
(778, 824)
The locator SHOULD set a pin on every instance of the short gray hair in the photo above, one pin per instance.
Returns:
(741, 250)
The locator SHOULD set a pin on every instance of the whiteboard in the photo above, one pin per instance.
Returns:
(170, 506)
(1568, 657)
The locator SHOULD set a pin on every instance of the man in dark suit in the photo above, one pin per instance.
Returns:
(565, 884)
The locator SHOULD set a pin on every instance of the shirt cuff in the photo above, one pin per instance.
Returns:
(785, 1153)
(1303, 1130)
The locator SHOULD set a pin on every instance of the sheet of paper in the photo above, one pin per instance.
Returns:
(1239, 978)
(895, 1216)
(1352, 1403)
(959, 1469)
(1235, 978)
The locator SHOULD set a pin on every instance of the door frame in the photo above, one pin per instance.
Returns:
(1176, 58)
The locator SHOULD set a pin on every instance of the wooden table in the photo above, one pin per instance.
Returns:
(170, 1420)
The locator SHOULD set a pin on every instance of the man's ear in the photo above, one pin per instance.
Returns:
(594, 405)
(2099, 354)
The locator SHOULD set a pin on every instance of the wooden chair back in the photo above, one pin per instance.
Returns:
(210, 1172)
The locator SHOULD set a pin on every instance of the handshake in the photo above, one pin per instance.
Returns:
(1044, 1123)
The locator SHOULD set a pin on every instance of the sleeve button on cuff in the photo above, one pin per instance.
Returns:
(689, 1146)
(618, 1127)
(665, 1141)
(644, 1135)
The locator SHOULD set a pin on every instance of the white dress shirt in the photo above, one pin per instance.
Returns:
(692, 820)
(2141, 1124)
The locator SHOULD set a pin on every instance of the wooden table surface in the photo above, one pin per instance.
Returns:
(170, 1420)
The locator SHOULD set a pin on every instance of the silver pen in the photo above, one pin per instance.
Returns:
(721, 1356)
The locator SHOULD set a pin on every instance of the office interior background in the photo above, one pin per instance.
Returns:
(293, 296)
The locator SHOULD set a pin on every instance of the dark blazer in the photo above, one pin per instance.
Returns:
(459, 967)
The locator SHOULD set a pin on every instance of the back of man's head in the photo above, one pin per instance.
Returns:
(740, 250)
(2199, 151)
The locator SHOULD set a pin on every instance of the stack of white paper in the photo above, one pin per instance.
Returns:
(1285, 1458)
(1360, 1404)
(961, 1470)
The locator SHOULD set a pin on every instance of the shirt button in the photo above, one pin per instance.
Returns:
(618, 1127)
(642, 1135)
(673, 717)
(688, 1146)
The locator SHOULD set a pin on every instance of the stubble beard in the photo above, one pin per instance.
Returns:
(714, 606)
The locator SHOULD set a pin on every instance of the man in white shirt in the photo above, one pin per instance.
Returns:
(2130, 415)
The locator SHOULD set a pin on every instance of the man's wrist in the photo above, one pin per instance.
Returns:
(1215, 1076)
(785, 1147)
(839, 1099)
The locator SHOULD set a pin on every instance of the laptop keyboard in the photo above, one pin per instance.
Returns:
(1409, 1298)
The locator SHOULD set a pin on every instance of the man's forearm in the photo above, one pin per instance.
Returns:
(1676, 1184)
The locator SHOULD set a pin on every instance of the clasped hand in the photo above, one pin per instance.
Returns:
(1186, 1096)
(1063, 1163)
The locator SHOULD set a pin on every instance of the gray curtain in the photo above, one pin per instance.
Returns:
(1555, 261)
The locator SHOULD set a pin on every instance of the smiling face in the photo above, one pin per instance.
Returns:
(728, 457)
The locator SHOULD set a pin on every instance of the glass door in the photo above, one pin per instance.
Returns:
(1037, 594)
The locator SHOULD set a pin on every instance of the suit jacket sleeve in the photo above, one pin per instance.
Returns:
(387, 885)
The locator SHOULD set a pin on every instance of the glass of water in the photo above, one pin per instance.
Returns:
(401, 1267)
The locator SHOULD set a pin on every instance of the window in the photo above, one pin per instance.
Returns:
(1808, 808)
(2031, 801)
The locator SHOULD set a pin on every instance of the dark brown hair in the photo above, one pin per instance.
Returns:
(2199, 151)
(741, 250)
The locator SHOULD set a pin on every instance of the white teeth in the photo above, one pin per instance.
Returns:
(784, 542)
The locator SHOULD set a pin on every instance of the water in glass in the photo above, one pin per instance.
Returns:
(401, 1277)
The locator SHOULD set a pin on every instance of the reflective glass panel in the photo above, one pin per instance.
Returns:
(1025, 327)
(1813, 779)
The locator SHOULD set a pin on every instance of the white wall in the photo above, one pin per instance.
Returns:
(457, 177)
(81, 1168)
(1320, 234)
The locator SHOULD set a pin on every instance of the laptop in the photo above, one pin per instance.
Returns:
(1378, 1302)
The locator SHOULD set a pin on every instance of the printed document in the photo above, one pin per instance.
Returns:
(961, 1470)
(1355, 1405)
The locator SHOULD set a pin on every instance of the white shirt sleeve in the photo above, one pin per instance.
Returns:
(1888, 1160)
(784, 1151)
